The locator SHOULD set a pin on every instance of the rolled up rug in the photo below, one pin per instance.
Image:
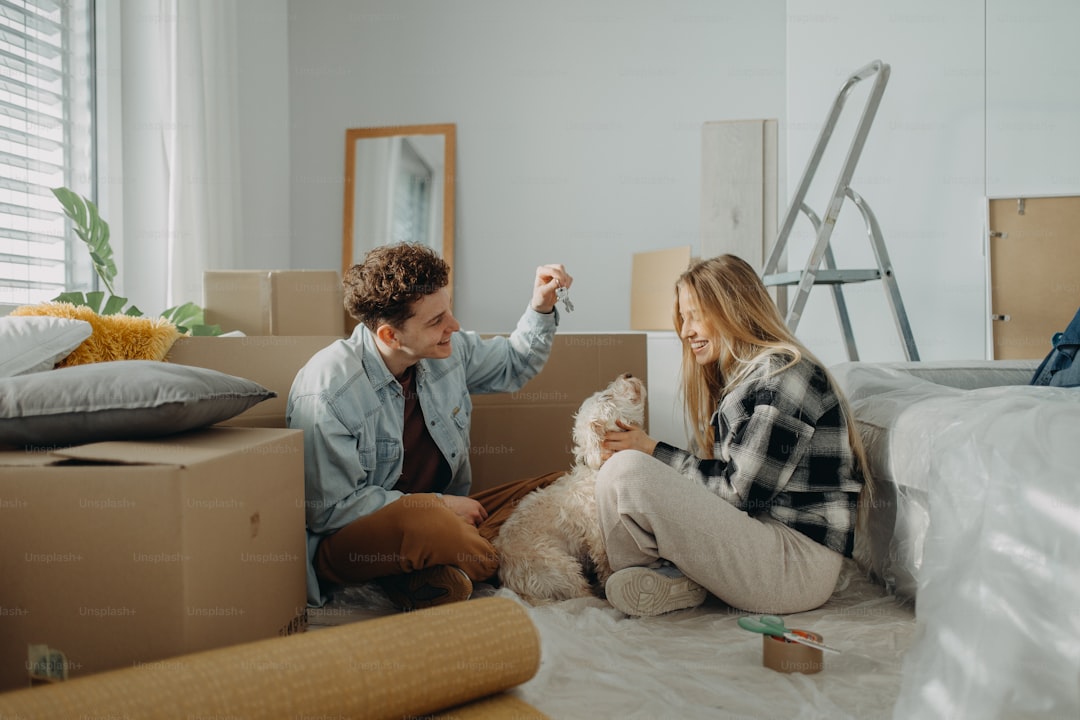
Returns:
(406, 665)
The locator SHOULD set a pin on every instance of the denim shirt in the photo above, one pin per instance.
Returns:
(351, 410)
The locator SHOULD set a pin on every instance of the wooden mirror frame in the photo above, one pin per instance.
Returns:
(352, 136)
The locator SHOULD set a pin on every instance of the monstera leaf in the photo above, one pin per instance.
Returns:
(114, 305)
(94, 231)
(188, 319)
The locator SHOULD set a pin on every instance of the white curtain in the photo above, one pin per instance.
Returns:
(181, 151)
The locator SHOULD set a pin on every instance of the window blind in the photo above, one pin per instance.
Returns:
(46, 140)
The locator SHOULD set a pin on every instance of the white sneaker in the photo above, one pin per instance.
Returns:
(646, 591)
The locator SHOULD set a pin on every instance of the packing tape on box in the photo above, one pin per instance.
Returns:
(787, 656)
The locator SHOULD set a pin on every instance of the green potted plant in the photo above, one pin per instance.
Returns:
(94, 231)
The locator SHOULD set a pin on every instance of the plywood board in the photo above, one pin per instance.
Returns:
(739, 191)
(1034, 272)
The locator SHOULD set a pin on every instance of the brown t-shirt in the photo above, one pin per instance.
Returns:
(423, 469)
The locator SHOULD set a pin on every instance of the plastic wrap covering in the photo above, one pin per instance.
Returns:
(959, 374)
(699, 664)
(997, 621)
(888, 400)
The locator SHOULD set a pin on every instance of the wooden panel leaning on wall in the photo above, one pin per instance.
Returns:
(1034, 288)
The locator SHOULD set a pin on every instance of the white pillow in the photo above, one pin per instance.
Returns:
(33, 344)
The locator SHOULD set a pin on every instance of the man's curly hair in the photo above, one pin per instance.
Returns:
(382, 289)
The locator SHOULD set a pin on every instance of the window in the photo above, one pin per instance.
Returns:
(411, 197)
(46, 140)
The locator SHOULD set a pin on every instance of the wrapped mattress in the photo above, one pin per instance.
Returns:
(980, 513)
(896, 406)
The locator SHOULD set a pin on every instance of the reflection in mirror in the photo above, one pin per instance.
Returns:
(399, 187)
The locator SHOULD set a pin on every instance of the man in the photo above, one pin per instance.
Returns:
(386, 415)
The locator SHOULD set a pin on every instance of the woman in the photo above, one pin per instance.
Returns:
(764, 514)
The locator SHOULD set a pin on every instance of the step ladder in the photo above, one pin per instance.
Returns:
(830, 275)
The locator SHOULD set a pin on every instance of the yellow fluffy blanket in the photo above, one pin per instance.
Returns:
(114, 337)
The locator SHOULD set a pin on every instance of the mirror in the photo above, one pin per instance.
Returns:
(399, 187)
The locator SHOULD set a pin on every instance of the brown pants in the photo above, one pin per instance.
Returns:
(419, 531)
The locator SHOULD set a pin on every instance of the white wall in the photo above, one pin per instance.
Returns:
(1033, 98)
(922, 170)
(578, 126)
(579, 135)
(982, 101)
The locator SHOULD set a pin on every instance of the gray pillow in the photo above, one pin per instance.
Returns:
(119, 400)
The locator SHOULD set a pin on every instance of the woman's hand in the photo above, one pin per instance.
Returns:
(548, 279)
(628, 437)
(469, 510)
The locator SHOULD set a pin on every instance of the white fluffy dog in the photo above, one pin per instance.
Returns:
(552, 543)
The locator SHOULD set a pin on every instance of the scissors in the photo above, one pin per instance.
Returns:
(773, 625)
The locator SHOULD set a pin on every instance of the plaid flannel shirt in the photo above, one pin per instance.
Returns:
(781, 447)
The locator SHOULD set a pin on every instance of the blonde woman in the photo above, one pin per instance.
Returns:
(764, 513)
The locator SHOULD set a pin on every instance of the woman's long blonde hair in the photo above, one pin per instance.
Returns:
(739, 312)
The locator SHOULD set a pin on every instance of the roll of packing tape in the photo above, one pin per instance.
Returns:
(787, 656)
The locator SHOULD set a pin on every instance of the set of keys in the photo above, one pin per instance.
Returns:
(563, 296)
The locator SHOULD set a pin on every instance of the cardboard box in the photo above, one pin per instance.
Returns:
(513, 435)
(274, 302)
(121, 553)
(270, 360)
(652, 287)
(527, 433)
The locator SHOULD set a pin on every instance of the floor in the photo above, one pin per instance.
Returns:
(697, 663)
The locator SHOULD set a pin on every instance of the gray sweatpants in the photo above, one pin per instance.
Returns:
(649, 512)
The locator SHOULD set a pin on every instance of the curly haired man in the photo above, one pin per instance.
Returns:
(386, 415)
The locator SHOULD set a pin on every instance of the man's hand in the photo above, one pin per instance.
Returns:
(548, 279)
(629, 437)
(469, 510)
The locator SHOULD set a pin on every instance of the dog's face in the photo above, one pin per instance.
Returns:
(623, 399)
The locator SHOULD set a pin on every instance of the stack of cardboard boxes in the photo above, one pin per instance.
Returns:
(125, 553)
(129, 553)
(290, 315)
